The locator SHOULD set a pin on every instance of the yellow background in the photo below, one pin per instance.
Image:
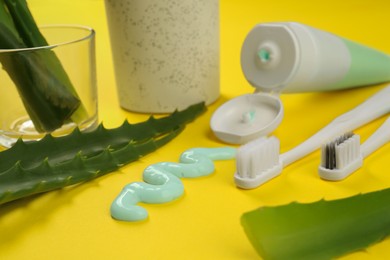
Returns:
(75, 223)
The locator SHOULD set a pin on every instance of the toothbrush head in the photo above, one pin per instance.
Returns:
(257, 162)
(340, 157)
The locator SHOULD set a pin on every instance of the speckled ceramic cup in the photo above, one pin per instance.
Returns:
(165, 52)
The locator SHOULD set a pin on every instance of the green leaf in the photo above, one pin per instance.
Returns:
(56, 162)
(43, 85)
(320, 230)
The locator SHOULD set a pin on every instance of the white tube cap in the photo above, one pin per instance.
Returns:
(247, 117)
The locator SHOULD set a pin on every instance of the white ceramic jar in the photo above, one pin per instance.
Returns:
(165, 52)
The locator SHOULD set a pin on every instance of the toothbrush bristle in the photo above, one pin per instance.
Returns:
(341, 151)
(257, 156)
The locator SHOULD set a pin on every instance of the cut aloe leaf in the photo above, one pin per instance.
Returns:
(41, 84)
(320, 230)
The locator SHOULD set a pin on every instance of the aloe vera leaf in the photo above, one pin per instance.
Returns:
(84, 156)
(34, 80)
(25, 23)
(6, 20)
(30, 154)
(25, 69)
(32, 37)
(19, 182)
(319, 230)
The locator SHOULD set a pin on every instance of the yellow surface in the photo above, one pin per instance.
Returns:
(75, 223)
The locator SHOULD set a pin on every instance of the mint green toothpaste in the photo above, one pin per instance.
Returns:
(162, 181)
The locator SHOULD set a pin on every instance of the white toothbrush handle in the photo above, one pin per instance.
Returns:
(377, 139)
(372, 108)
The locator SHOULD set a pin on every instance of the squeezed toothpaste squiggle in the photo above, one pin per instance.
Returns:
(162, 181)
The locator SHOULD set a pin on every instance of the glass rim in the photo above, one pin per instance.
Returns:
(91, 33)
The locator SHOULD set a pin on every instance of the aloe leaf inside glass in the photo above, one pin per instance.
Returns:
(43, 85)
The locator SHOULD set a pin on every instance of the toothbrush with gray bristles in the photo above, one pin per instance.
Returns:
(344, 155)
(259, 160)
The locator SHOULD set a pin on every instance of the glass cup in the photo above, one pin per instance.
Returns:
(49, 89)
(165, 52)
